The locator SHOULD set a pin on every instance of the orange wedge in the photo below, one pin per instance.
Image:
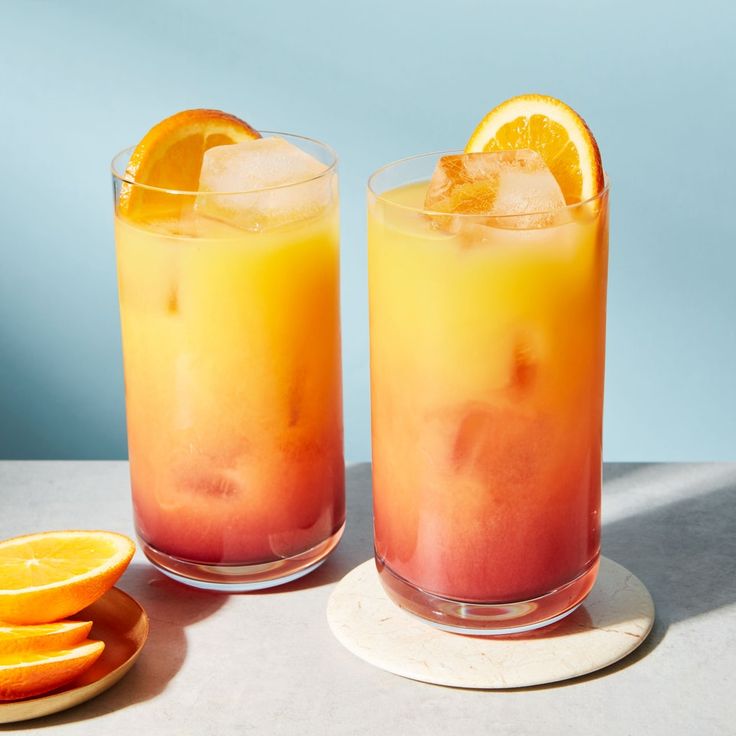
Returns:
(552, 129)
(170, 155)
(29, 674)
(42, 637)
(49, 576)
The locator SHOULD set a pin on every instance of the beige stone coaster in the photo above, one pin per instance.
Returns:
(614, 619)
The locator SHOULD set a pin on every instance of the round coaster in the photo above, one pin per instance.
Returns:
(613, 620)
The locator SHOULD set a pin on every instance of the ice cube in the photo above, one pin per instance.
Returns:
(498, 445)
(213, 482)
(495, 183)
(172, 300)
(278, 183)
(525, 364)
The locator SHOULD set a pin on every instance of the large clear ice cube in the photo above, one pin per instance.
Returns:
(261, 183)
(496, 183)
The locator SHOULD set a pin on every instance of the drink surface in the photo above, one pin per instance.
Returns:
(487, 357)
(232, 371)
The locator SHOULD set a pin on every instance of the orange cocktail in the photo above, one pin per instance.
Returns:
(229, 308)
(487, 360)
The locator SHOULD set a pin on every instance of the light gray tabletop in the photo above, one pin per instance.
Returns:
(267, 662)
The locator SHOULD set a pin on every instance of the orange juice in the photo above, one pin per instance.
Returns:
(231, 343)
(487, 358)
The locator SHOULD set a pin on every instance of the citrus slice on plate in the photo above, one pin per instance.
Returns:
(49, 576)
(552, 129)
(29, 674)
(42, 637)
(170, 155)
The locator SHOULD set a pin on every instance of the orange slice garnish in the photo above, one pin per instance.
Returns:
(42, 637)
(49, 576)
(29, 674)
(552, 129)
(170, 155)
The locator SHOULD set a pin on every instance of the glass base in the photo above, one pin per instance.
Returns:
(487, 619)
(231, 578)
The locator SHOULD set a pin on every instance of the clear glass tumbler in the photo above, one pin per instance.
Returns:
(231, 345)
(487, 361)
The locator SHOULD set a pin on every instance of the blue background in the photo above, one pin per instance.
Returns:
(378, 81)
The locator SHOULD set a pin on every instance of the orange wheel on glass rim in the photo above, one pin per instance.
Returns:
(170, 155)
(552, 129)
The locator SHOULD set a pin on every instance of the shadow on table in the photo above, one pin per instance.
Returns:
(683, 550)
(676, 534)
(674, 529)
(171, 607)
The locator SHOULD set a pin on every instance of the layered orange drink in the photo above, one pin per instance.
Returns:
(487, 273)
(228, 269)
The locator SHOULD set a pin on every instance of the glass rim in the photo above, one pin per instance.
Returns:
(424, 211)
(330, 167)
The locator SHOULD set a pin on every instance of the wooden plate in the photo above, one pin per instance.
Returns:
(122, 624)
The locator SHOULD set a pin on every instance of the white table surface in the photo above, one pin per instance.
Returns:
(267, 663)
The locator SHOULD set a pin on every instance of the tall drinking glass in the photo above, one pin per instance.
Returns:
(487, 360)
(231, 345)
